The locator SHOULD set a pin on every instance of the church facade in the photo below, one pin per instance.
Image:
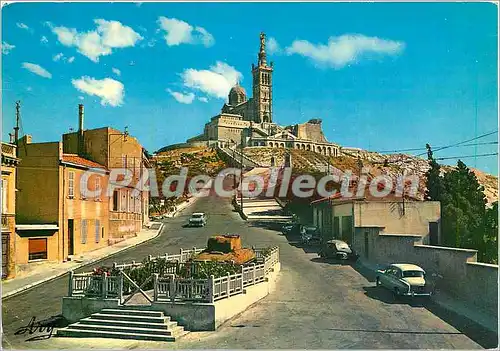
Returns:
(249, 121)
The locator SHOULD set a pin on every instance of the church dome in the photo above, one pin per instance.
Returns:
(237, 95)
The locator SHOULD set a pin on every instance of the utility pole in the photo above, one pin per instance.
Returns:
(241, 178)
(16, 128)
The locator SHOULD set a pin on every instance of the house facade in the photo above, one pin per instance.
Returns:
(114, 149)
(349, 219)
(8, 188)
(58, 214)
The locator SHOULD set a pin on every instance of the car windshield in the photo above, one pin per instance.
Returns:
(196, 216)
(413, 274)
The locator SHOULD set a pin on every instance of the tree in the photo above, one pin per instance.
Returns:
(463, 209)
(489, 251)
(434, 182)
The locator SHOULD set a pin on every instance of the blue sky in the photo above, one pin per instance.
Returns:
(381, 76)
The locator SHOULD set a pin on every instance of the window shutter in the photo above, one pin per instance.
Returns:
(71, 184)
(97, 230)
(84, 231)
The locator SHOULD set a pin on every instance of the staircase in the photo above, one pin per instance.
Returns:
(125, 324)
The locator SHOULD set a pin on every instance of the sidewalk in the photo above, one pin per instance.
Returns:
(262, 210)
(42, 273)
(455, 305)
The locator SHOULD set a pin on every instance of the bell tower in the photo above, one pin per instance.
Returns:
(262, 86)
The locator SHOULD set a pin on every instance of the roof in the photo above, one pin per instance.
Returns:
(80, 161)
(197, 214)
(237, 89)
(407, 267)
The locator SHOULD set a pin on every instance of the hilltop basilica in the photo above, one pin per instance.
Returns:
(249, 120)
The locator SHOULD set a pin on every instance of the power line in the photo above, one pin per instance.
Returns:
(423, 148)
(469, 156)
(460, 143)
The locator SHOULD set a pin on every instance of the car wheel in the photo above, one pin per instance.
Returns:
(395, 294)
(377, 281)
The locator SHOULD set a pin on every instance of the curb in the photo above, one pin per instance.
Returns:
(58, 275)
(441, 304)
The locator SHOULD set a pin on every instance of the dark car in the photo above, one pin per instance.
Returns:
(339, 250)
(310, 235)
(291, 228)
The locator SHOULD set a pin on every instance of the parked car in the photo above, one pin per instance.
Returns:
(291, 228)
(339, 250)
(403, 280)
(198, 219)
(310, 235)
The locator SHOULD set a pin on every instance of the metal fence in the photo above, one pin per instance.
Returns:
(169, 287)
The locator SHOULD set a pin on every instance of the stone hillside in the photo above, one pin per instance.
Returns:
(308, 161)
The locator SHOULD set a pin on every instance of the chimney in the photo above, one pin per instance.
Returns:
(80, 118)
(80, 130)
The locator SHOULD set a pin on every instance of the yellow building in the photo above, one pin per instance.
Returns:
(9, 164)
(115, 150)
(58, 215)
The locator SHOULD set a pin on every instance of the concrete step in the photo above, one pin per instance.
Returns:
(132, 312)
(149, 329)
(96, 321)
(79, 333)
(130, 318)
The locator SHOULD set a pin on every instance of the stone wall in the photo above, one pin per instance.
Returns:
(463, 277)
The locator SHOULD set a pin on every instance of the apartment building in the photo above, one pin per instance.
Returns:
(114, 149)
(59, 214)
(8, 198)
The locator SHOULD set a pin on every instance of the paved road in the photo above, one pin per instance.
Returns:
(316, 304)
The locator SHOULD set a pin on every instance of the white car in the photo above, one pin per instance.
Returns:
(198, 219)
(403, 280)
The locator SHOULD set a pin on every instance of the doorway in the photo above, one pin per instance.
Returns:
(71, 236)
(433, 233)
(366, 246)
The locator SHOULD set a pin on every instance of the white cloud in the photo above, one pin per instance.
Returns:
(71, 59)
(346, 49)
(203, 99)
(22, 26)
(58, 57)
(216, 81)
(37, 69)
(29, 89)
(179, 32)
(116, 71)
(81, 97)
(183, 98)
(109, 90)
(44, 40)
(100, 42)
(273, 47)
(7, 48)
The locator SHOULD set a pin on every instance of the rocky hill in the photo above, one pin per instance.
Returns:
(377, 164)
(204, 160)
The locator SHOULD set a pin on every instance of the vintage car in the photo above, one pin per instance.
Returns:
(338, 249)
(291, 228)
(198, 220)
(310, 235)
(403, 280)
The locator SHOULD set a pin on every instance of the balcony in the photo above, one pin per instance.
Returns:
(8, 222)
(9, 155)
(126, 216)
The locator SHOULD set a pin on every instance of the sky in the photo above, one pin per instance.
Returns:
(381, 76)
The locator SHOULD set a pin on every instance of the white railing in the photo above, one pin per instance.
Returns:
(168, 287)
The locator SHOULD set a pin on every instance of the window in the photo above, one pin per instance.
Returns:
(115, 200)
(97, 230)
(71, 184)
(5, 192)
(123, 201)
(97, 188)
(37, 249)
(84, 231)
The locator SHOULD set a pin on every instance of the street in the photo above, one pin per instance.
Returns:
(316, 304)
